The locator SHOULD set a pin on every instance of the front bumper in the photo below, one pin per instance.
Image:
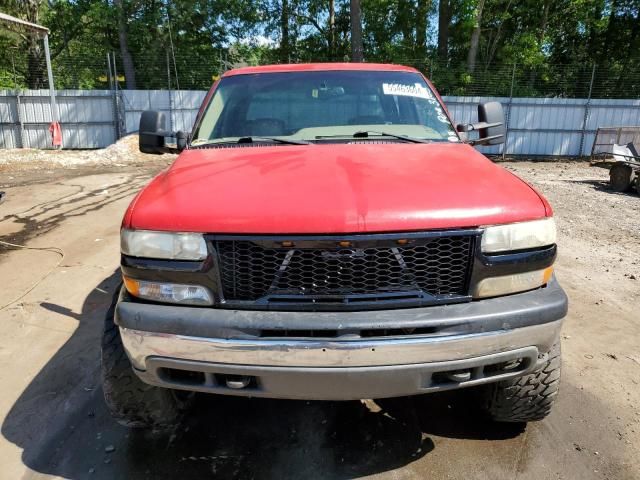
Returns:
(460, 345)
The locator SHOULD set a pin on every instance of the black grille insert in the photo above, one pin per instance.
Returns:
(320, 271)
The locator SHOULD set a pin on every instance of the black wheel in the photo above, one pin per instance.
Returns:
(130, 401)
(620, 177)
(529, 397)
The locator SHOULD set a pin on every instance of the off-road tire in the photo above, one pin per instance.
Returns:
(527, 398)
(620, 177)
(130, 401)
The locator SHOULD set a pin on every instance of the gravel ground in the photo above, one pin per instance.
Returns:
(590, 217)
(53, 419)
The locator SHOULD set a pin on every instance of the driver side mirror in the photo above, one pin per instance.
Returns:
(490, 125)
(152, 134)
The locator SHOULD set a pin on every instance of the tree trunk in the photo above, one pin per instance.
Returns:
(610, 34)
(475, 37)
(493, 45)
(444, 19)
(544, 22)
(421, 28)
(332, 29)
(285, 50)
(406, 25)
(127, 60)
(36, 72)
(357, 54)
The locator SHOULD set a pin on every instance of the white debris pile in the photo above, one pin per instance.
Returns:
(124, 151)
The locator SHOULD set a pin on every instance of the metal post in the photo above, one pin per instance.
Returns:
(586, 111)
(109, 73)
(21, 136)
(52, 92)
(116, 100)
(15, 77)
(508, 119)
(169, 93)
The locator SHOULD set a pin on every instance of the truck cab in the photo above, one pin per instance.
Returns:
(327, 233)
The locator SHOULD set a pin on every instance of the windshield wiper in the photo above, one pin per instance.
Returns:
(272, 139)
(283, 141)
(367, 134)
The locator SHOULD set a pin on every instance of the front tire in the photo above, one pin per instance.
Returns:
(527, 398)
(130, 401)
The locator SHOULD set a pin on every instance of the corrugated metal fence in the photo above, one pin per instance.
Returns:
(88, 118)
(96, 118)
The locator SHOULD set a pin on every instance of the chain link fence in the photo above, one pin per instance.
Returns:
(163, 71)
(550, 110)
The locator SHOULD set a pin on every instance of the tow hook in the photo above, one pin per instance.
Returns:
(459, 376)
(237, 382)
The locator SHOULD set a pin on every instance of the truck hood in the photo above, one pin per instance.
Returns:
(333, 188)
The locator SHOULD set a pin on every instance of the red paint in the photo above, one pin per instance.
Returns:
(332, 188)
(322, 67)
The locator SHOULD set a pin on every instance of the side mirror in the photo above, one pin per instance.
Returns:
(152, 132)
(490, 125)
(492, 115)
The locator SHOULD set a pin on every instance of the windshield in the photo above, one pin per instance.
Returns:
(323, 106)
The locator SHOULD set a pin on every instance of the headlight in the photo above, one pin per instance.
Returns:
(519, 236)
(506, 284)
(163, 245)
(169, 292)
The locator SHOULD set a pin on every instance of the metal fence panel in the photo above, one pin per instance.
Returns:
(613, 113)
(180, 107)
(9, 122)
(89, 118)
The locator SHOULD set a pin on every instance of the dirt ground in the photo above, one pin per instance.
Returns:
(54, 422)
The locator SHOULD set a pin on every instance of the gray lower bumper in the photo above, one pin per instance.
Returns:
(476, 340)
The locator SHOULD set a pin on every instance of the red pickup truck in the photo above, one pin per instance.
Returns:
(327, 233)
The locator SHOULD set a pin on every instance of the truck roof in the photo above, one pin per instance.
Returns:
(310, 67)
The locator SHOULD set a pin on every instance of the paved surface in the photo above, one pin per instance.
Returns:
(54, 423)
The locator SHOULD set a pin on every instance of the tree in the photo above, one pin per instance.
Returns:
(127, 60)
(332, 28)
(422, 14)
(444, 18)
(285, 48)
(475, 37)
(357, 50)
(555, 43)
(36, 75)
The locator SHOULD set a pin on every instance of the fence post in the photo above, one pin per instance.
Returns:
(19, 119)
(169, 93)
(116, 100)
(506, 133)
(15, 77)
(586, 111)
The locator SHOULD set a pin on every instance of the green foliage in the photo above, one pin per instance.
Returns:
(553, 43)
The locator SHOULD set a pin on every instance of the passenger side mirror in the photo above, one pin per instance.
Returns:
(152, 134)
(490, 125)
